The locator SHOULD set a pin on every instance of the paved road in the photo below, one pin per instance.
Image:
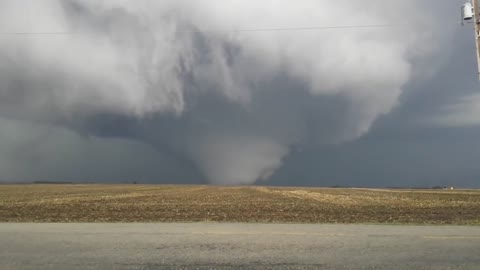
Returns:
(236, 246)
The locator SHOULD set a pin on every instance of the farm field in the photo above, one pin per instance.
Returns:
(151, 203)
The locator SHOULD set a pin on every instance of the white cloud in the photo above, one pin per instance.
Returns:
(140, 58)
(464, 113)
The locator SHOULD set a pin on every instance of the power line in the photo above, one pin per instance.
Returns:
(34, 33)
(312, 28)
(300, 28)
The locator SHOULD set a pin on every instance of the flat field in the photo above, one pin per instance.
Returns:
(145, 203)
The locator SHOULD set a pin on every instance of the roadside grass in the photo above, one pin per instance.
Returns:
(150, 203)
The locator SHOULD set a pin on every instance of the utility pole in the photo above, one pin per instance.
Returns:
(476, 21)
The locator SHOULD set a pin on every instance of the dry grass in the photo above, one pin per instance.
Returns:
(136, 203)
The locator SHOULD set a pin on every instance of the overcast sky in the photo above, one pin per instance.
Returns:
(166, 92)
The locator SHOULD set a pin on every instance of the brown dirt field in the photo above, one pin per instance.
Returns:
(144, 203)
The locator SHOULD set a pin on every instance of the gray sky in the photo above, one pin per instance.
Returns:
(165, 92)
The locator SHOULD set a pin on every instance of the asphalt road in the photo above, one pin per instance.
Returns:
(236, 246)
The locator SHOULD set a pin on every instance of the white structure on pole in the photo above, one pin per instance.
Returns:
(471, 13)
(467, 12)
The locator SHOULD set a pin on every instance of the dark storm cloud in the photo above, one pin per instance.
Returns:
(163, 91)
(418, 144)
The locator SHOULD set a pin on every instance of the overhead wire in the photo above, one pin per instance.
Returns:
(34, 33)
(313, 28)
(302, 28)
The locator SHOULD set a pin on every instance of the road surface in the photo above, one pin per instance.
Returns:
(237, 246)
